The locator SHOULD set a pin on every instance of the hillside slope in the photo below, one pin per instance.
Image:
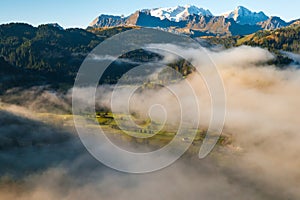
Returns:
(286, 39)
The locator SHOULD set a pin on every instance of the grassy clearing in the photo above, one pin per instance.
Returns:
(146, 129)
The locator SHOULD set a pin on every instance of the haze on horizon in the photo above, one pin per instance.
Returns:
(81, 13)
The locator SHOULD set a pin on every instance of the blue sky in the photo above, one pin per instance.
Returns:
(79, 13)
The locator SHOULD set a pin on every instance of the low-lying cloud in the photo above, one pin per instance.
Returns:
(262, 162)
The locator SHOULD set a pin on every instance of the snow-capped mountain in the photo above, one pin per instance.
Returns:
(195, 21)
(178, 13)
(244, 16)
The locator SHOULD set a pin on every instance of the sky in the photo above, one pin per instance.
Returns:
(79, 13)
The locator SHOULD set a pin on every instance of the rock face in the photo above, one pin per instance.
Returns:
(273, 23)
(195, 21)
(295, 22)
(107, 21)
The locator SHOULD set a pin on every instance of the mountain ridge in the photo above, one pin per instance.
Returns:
(195, 21)
(243, 16)
(178, 13)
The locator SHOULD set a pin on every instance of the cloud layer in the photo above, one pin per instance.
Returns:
(262, 162)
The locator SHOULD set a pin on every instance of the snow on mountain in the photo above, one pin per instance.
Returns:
(244, 16)
(195, 20)
(178, 13)
(56, 25)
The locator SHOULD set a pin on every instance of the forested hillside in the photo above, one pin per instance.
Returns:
(286, 39)
(48, 54)
(46, 49)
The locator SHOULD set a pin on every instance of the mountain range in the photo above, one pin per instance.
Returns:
(51, 55)
(195, 21)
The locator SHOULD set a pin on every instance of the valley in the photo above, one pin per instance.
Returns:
(139, 131)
